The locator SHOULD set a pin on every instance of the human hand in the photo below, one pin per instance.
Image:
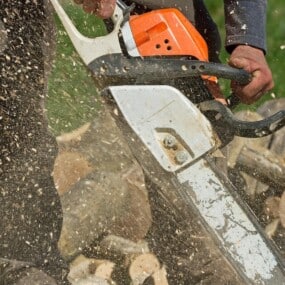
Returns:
(252, 60)
(101, 8)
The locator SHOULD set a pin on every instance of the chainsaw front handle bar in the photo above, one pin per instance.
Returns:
(148, 69)
(247, 129)
(225, 71)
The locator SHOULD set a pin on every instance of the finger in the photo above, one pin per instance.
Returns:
(107, 8)
(91, 6)
(241, 63)
(102, 8)
(261, 83)
(250, 93)
(215, 91)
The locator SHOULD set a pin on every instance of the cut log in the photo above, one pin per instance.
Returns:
(73, 136)
(142, 264)
(271, 228)
(99, 205)
(87, 270)
(69, 168)
(160, 277)
(111, 199)
(267, 109)
(282, 209)
(271, 206)
(142, 267)
(262, 165)
(121, 246)
(253, 186)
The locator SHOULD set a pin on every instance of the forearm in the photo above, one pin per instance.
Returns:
(245, 23)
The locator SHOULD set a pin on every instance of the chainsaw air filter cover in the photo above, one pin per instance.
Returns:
(164, 32)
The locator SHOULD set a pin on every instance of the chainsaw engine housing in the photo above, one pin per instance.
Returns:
(164, 32)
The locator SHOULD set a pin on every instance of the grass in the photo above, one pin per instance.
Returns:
(276, 44)
(73, 98)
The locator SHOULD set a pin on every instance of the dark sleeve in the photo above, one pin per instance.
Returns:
(245, 22)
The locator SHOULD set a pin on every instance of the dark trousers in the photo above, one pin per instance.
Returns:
(30, 209)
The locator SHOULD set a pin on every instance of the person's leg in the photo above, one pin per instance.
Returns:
(30, 209)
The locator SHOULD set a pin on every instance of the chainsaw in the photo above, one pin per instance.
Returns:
(153, 69)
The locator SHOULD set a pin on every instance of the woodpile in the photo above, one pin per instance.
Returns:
(103, 194)
(102, 189)
(107, 209)
(261, 165)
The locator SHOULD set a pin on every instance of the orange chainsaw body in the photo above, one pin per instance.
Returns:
(167, 32)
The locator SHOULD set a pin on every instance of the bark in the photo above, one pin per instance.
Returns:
(262, 165)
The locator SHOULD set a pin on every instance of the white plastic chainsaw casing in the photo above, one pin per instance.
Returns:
(157, 111)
